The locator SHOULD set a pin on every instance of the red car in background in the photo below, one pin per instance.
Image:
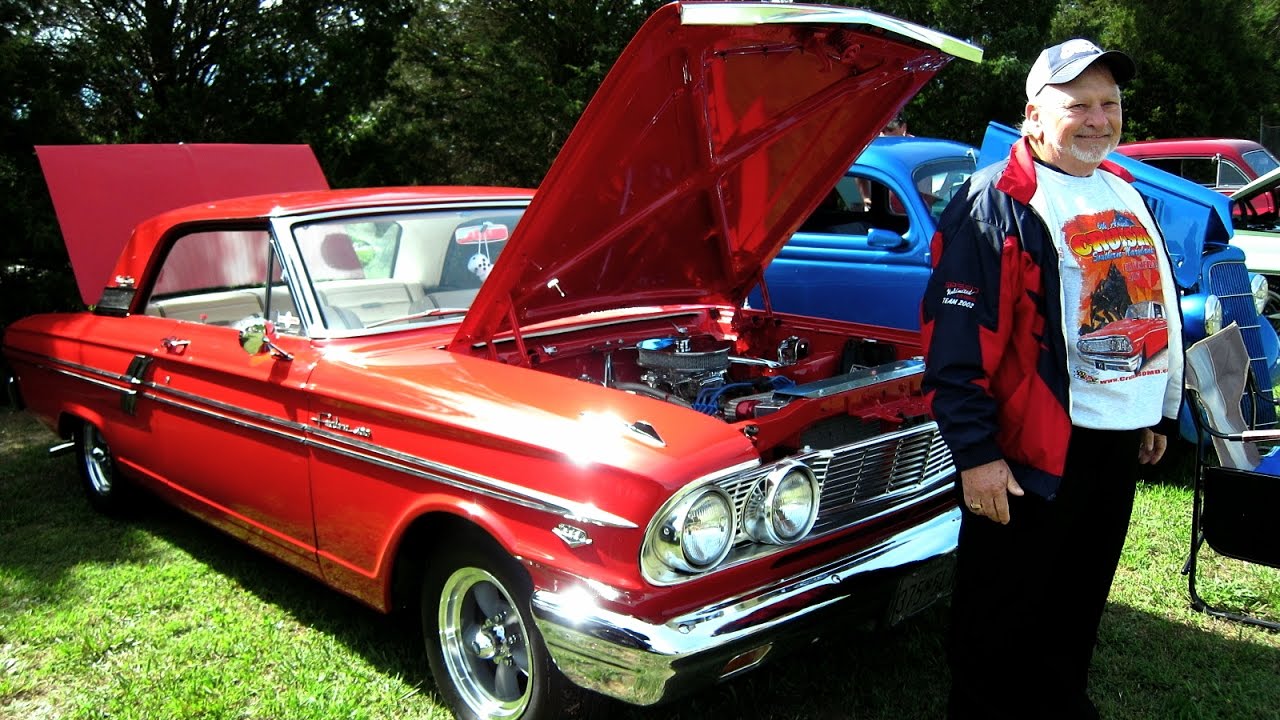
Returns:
(1224, 164)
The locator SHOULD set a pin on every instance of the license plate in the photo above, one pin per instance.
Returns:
(925, 585)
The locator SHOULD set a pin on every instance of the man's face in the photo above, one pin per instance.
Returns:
(1073, 126)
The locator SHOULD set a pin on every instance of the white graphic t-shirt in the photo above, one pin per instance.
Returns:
(1114, 302)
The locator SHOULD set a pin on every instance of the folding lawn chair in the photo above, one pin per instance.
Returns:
(1235, 502)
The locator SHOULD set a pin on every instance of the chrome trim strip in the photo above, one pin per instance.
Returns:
(466, 480)
(769, 13)
(855, 379)
(273, 428)
(351, 447)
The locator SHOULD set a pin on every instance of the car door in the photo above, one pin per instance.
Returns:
(862, 256)
(229, 426)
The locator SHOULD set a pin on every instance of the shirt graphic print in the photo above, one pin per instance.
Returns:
(1122, 331)
(1113, 303)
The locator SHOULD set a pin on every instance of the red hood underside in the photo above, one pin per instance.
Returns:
(719, 129)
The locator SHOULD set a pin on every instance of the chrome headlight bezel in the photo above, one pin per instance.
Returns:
(1260, 290)
(1212, 314)
(762, 514)
(671, 535)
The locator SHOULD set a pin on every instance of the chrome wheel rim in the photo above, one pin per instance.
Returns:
(485, 644)
(97, 460)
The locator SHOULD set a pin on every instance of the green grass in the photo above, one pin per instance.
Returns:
(159, 617)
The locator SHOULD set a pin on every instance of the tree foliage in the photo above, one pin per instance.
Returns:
(1204, 67)
(485, 91)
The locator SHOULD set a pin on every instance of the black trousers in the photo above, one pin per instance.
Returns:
(1029, 595)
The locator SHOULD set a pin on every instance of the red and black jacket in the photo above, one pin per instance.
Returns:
(992, 327)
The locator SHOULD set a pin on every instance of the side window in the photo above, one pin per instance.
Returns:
(885, 209)
(1230, 176)
(1200, 170)
(854, 206)
(214, 277)
(842, 211)
(1173, 165)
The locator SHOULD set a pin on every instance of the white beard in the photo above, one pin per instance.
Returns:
(1093, 157)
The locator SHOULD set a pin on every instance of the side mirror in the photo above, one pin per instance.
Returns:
(885, 239)
(259, 337)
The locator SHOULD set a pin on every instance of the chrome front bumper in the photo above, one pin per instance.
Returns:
(645, 663)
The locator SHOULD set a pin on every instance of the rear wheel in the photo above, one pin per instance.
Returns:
(99, 476)
(486, 655)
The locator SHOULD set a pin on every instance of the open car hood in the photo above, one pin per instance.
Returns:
(101, 192)
(720, 127)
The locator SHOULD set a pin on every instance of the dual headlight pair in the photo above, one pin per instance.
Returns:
(696, 531)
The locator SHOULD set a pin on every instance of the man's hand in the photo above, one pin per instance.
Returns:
(1151, 447)
(987, 489)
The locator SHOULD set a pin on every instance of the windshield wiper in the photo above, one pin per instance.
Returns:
(433, 312)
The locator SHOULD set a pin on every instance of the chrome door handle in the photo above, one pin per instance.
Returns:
(173, 344)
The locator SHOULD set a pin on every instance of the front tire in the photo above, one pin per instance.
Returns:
(485, 652)
(103, 485)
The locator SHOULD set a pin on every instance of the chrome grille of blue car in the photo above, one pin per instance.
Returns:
(1229, 280)
(863, 478)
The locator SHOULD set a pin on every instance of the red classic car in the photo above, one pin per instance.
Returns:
(545, 420)
(1128, 342)
(1224, 164)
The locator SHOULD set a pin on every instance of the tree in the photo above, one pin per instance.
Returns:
(488, 90)
(1217, 81)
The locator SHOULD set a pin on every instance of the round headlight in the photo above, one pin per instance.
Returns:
(1261, 292)
(783, 506)
(708, 529)
(1212, 314)
(697, 532)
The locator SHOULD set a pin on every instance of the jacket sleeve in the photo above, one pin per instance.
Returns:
(966, 316)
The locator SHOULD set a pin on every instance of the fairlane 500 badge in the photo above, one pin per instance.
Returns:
(328, 420)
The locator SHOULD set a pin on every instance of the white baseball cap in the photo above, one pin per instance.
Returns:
(1065, 61)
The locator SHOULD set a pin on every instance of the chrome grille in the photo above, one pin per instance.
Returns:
(1229, 280)
(862, 478)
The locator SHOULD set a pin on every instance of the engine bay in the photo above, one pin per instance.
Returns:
(749, 369)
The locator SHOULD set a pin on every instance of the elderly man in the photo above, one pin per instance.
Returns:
(1039, 250)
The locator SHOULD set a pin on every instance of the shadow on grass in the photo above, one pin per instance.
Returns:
(1147, 666)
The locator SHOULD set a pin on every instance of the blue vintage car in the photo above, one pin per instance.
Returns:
(863, 255)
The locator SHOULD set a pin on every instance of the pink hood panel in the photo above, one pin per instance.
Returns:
(101, 192)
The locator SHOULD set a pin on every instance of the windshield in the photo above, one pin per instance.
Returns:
(391, 270)
(938, 180)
